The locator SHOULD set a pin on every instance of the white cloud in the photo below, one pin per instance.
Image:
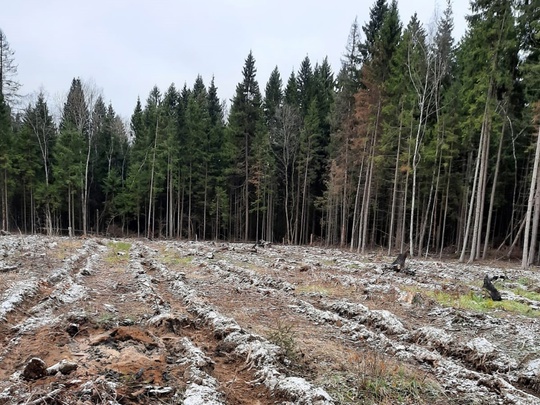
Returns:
(127, 47)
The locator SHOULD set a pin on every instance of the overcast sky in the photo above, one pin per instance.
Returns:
(125, 47)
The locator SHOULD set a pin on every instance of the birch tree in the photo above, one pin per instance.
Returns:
(9, 85)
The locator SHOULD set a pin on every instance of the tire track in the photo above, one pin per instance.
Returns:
(259, 354)
(483, 361)
(35, 305)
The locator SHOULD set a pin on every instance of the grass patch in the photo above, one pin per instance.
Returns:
(477, 302)
(65, 248)
(119, 246)
(532, 295)
(173, 259)
(375, 379)
(313, 289)
(118, 252)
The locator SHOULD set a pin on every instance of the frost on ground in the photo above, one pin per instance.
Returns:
(136, 321)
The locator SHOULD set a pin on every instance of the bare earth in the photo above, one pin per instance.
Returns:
(86, 321)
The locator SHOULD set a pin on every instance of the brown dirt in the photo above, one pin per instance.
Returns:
(96, 303)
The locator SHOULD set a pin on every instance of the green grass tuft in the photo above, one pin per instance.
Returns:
(532, 295)
(119, 252)
(477, 302)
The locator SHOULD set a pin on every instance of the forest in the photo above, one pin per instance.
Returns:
(417, 142)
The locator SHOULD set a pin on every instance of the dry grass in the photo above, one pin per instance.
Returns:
(65, 248)
(372, 378)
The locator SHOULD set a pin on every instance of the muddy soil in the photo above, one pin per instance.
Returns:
(92, 321)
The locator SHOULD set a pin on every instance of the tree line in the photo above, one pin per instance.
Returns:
(417, 143)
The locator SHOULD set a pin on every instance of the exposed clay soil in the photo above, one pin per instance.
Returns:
(86, 321)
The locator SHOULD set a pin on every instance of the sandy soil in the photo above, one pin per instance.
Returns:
(86, 321)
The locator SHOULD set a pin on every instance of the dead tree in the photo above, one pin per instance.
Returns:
(493, 292)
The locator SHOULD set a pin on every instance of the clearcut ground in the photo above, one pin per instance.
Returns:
(141, 321)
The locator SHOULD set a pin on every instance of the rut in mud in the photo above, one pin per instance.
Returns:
(136, 321)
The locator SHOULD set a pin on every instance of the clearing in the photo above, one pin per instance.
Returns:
(129, 321)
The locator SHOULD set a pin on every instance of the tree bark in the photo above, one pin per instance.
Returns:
(526, 259)
(492, 197)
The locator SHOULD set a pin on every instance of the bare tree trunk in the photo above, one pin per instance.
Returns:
(287, 214)
(471, 202)
(4, 207)
(526, 259)
(356, 204)
(170, 206)
(405, 196)
(483, 152)
(246, 189)
(270, 217)
(303, 222)
(536, 220)
(435, 203)
(443, 231)
(364, 214)
(190, 198)
(395, 188)
(149, 233)
(344, 198)
(416, 159)
(296, 204)
(492, 197)
(180, 207)
(70, 225)
(91, 94)
(205, 202)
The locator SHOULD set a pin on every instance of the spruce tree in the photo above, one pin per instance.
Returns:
(244, 126)
(217, 162)
(273, 95)
(377, 15)
(291, 95)
(39, 126)
(306, 85)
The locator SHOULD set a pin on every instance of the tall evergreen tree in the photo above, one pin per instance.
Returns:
(244, 126)
(112, 168)
(218, 204)
(39, 127)
(198, 142)
(75, 114)
(273, 95)
(306, 85)
(291, 95)
(377, 15)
